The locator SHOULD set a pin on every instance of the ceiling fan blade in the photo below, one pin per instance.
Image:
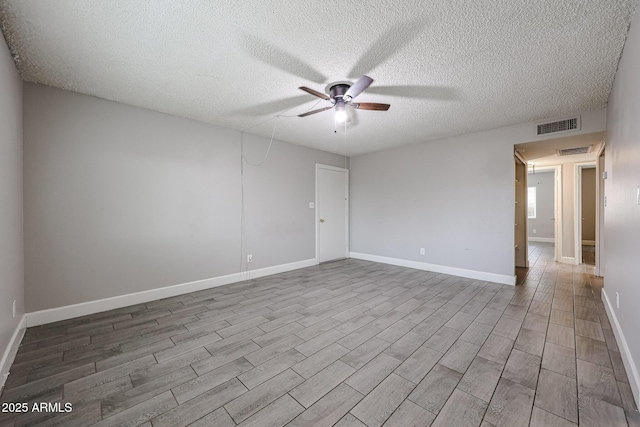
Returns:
(314, 93)
(308, 113)
(357, 88)
(371, 106)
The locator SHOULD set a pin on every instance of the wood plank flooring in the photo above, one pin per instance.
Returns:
(589, 255)
(349, 343)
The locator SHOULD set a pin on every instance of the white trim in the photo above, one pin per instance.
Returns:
(568, 260)
(454, 271)
(557, 210)
(588, 243)
(346, 208)
(627, 358)
(577, 206)
(542, 239)
(11, 350)
(91, 307)
(599, 271)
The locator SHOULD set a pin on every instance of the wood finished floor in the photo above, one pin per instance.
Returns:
(589, 255)
(350, 343)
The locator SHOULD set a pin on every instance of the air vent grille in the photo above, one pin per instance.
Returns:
(573, 151)
(559, 126)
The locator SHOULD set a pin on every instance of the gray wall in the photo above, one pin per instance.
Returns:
(588, 204)
(119, 199)
(622, 213)
(11, 246)
(542, 223)
(454, 197)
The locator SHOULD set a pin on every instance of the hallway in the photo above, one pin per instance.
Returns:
(586, 337)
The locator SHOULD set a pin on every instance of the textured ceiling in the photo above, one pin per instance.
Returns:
(446, 67)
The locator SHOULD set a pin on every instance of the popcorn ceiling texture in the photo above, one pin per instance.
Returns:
(446, 67)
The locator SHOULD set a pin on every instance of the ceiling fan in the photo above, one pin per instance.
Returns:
(341, 96)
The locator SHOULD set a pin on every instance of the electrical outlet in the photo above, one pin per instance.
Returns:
(14, 308)
(249, 258)
(422, 251)
(617, 300)
(534, 231)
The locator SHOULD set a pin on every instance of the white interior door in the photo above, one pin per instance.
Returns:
(332, 213)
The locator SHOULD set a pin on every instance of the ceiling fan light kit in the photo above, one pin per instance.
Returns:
(341, 113)
(341, 95)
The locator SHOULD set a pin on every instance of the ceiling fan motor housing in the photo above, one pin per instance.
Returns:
(338, 91)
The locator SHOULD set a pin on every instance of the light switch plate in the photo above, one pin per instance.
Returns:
(312, 205)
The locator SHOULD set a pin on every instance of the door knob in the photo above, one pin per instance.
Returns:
(321, 220)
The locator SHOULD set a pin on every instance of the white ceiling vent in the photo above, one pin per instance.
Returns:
(558, 126)
(573, 151)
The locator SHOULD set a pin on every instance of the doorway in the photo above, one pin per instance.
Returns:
(566, 154)
(545, 221)
(332, 213)
(586, 183)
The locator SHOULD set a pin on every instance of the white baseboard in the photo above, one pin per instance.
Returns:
(568, 260)
(11, 350)
(589, 242)
(629, 364)
(91, 307)
(542, 239)
(471, 274)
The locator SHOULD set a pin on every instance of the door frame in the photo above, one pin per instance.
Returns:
(577, 220)
(600, 183)
(557, 206)
(346, 208)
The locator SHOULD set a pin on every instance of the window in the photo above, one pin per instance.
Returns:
(531, 202)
